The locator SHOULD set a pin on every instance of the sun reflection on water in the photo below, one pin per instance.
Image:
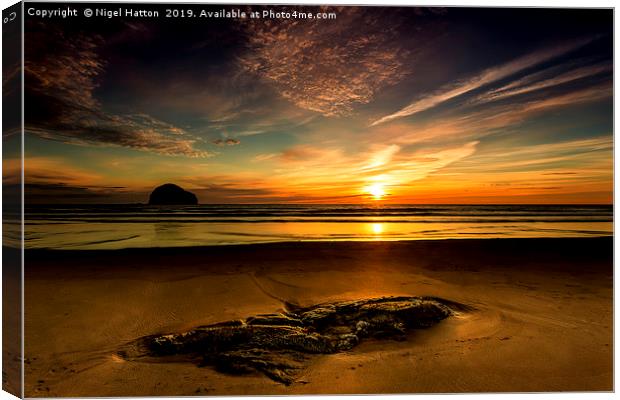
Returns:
(377, 229)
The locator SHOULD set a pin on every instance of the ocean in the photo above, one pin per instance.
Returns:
(126, 226)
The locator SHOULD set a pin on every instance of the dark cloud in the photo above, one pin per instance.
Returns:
(226, 142)
(62, 74)
(49, 193)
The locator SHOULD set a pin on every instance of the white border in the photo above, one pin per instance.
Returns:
(479, 3)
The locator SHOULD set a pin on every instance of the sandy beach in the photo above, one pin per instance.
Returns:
(540, 319)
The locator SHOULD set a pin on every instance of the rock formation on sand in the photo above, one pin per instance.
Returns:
(171, 194)
(278, 344)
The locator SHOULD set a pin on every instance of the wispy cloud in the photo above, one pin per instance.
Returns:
(486, 77)
(543, 80)
(550, 150)
(479, 123)
(264, 157)
(48, 170)
(382, 156)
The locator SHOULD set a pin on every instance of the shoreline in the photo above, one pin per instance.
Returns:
(289, 243)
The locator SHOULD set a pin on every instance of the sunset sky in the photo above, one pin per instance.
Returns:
(381, 105)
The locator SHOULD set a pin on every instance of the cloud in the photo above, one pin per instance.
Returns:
(264, 157)
(420, 164)
(226, 142)
(486, 77)
(580, 165)
(586, 95)
(49, 193)
(310, 169)
(311, 173)
(61, 75)
(330, 66)
(542, 80)
(479, 123)
(11, 82)
(382, 155)
(53, 180)
(305, 173)
(49, 170)
(578, 146)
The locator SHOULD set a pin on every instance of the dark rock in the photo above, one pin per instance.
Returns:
(171, 194)
(278, 344)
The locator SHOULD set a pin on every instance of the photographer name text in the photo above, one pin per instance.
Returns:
(121, 12)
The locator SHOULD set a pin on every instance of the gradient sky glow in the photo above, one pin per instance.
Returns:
(398, 105)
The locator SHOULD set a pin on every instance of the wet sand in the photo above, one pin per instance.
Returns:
(542, 318)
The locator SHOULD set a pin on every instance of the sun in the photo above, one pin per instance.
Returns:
(376, 190)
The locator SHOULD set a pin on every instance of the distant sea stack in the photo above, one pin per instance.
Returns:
(171, 194)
